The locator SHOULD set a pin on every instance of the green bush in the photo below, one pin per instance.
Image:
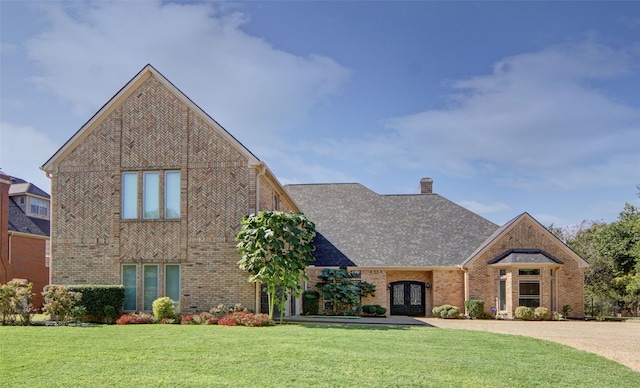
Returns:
(16, 300)
(541, 314)
(310, 302)
(380, 310)
(96, 297)
(475, 308)
(446, 311)
(163, 308)
(566, 310)
(59, 302)
(110, 314)
(524, 313)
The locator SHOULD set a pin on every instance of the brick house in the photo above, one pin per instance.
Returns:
(24, 242)
(150, 192)
(423, 251)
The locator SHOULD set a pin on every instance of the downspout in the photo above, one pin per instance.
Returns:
(258, 175)
(466, 286)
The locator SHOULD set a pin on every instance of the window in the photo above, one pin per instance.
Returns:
(552, 294)
(172, 194)
(172, 283)
(130, 282)
(529, 271)
(529, 294)
(129, 195)
(152, 187)
(151, 195)
(38, 206)
(276, 202)
(503, 272)
(502, 299)
(149, 286)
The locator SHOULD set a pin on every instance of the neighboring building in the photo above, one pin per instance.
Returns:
(150, 193)
(423, 251)
(24, 239)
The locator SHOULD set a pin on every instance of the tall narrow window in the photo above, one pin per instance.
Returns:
(129, 195)
(552, 295)
(172, 283)
(150, 286)
(151, 191)
(130, 282)
(502, 300)
(172, 194)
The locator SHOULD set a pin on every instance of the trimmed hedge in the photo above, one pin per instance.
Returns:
(446, 311)
(97, 297)
(475, 308)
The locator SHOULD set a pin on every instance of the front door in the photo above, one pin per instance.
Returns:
(407, 298)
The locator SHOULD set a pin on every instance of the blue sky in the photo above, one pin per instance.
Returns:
(508, 106)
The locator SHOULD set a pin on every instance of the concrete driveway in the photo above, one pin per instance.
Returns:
(618, 341)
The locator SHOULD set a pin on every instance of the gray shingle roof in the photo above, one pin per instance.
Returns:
(525, 256)
(20, 222)
(360, 226)
(20, 186)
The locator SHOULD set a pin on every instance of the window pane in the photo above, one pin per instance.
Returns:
(503, 295)
(172, 194)
(530, 289)
(129, 195)
(130, 283)
(150, 285)
(172, 283)
(529, 302)
(398, 294)
(416, 295)
(529, 272)
(151, 192)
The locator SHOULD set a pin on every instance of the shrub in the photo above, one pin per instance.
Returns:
(475, 308)
(223, 310)
(110, 314)
(16, 300)
(59, 302)
(524, 313)
(135, 318)
(541, 314)
(380, 310)
(245, 318)
(96, 297)
(163, 308)
(566, 310)
(446, 311)
(310, 302)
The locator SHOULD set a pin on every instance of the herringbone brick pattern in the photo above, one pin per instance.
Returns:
(153, 129)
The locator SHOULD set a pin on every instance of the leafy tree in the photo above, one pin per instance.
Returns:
(276, 248)
(344, 293)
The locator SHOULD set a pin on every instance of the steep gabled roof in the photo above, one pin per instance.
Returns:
(367, 229)
(524, 217)
(116, 100)
(21, 223)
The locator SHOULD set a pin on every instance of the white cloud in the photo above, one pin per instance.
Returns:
(481, 208)
(91, 49)
(22, 148)
(537, 119)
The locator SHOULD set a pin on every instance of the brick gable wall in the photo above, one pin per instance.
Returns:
(152, 129)
(483, 279)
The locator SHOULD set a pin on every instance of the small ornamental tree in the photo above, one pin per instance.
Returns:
(345, 294)
(276, 248)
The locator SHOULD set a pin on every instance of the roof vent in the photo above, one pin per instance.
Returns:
(426, 186)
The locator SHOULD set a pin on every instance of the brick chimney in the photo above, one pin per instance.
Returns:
(426, 186)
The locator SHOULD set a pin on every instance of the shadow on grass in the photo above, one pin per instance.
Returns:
(354, 326)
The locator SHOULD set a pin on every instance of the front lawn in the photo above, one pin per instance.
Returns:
(293, 355)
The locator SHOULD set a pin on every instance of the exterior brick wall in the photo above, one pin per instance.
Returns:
(28, 262)
(5, 269)
(526, 234)
(448, 288)
(151, 129)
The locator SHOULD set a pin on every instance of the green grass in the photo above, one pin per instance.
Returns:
(319, 355)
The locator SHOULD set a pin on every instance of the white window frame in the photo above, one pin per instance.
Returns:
(136, 283)
(150, 195)
(529, 297)
(168, 197)
(144, 299)
(177, 301)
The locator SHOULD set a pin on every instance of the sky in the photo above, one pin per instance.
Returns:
(509, 106)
